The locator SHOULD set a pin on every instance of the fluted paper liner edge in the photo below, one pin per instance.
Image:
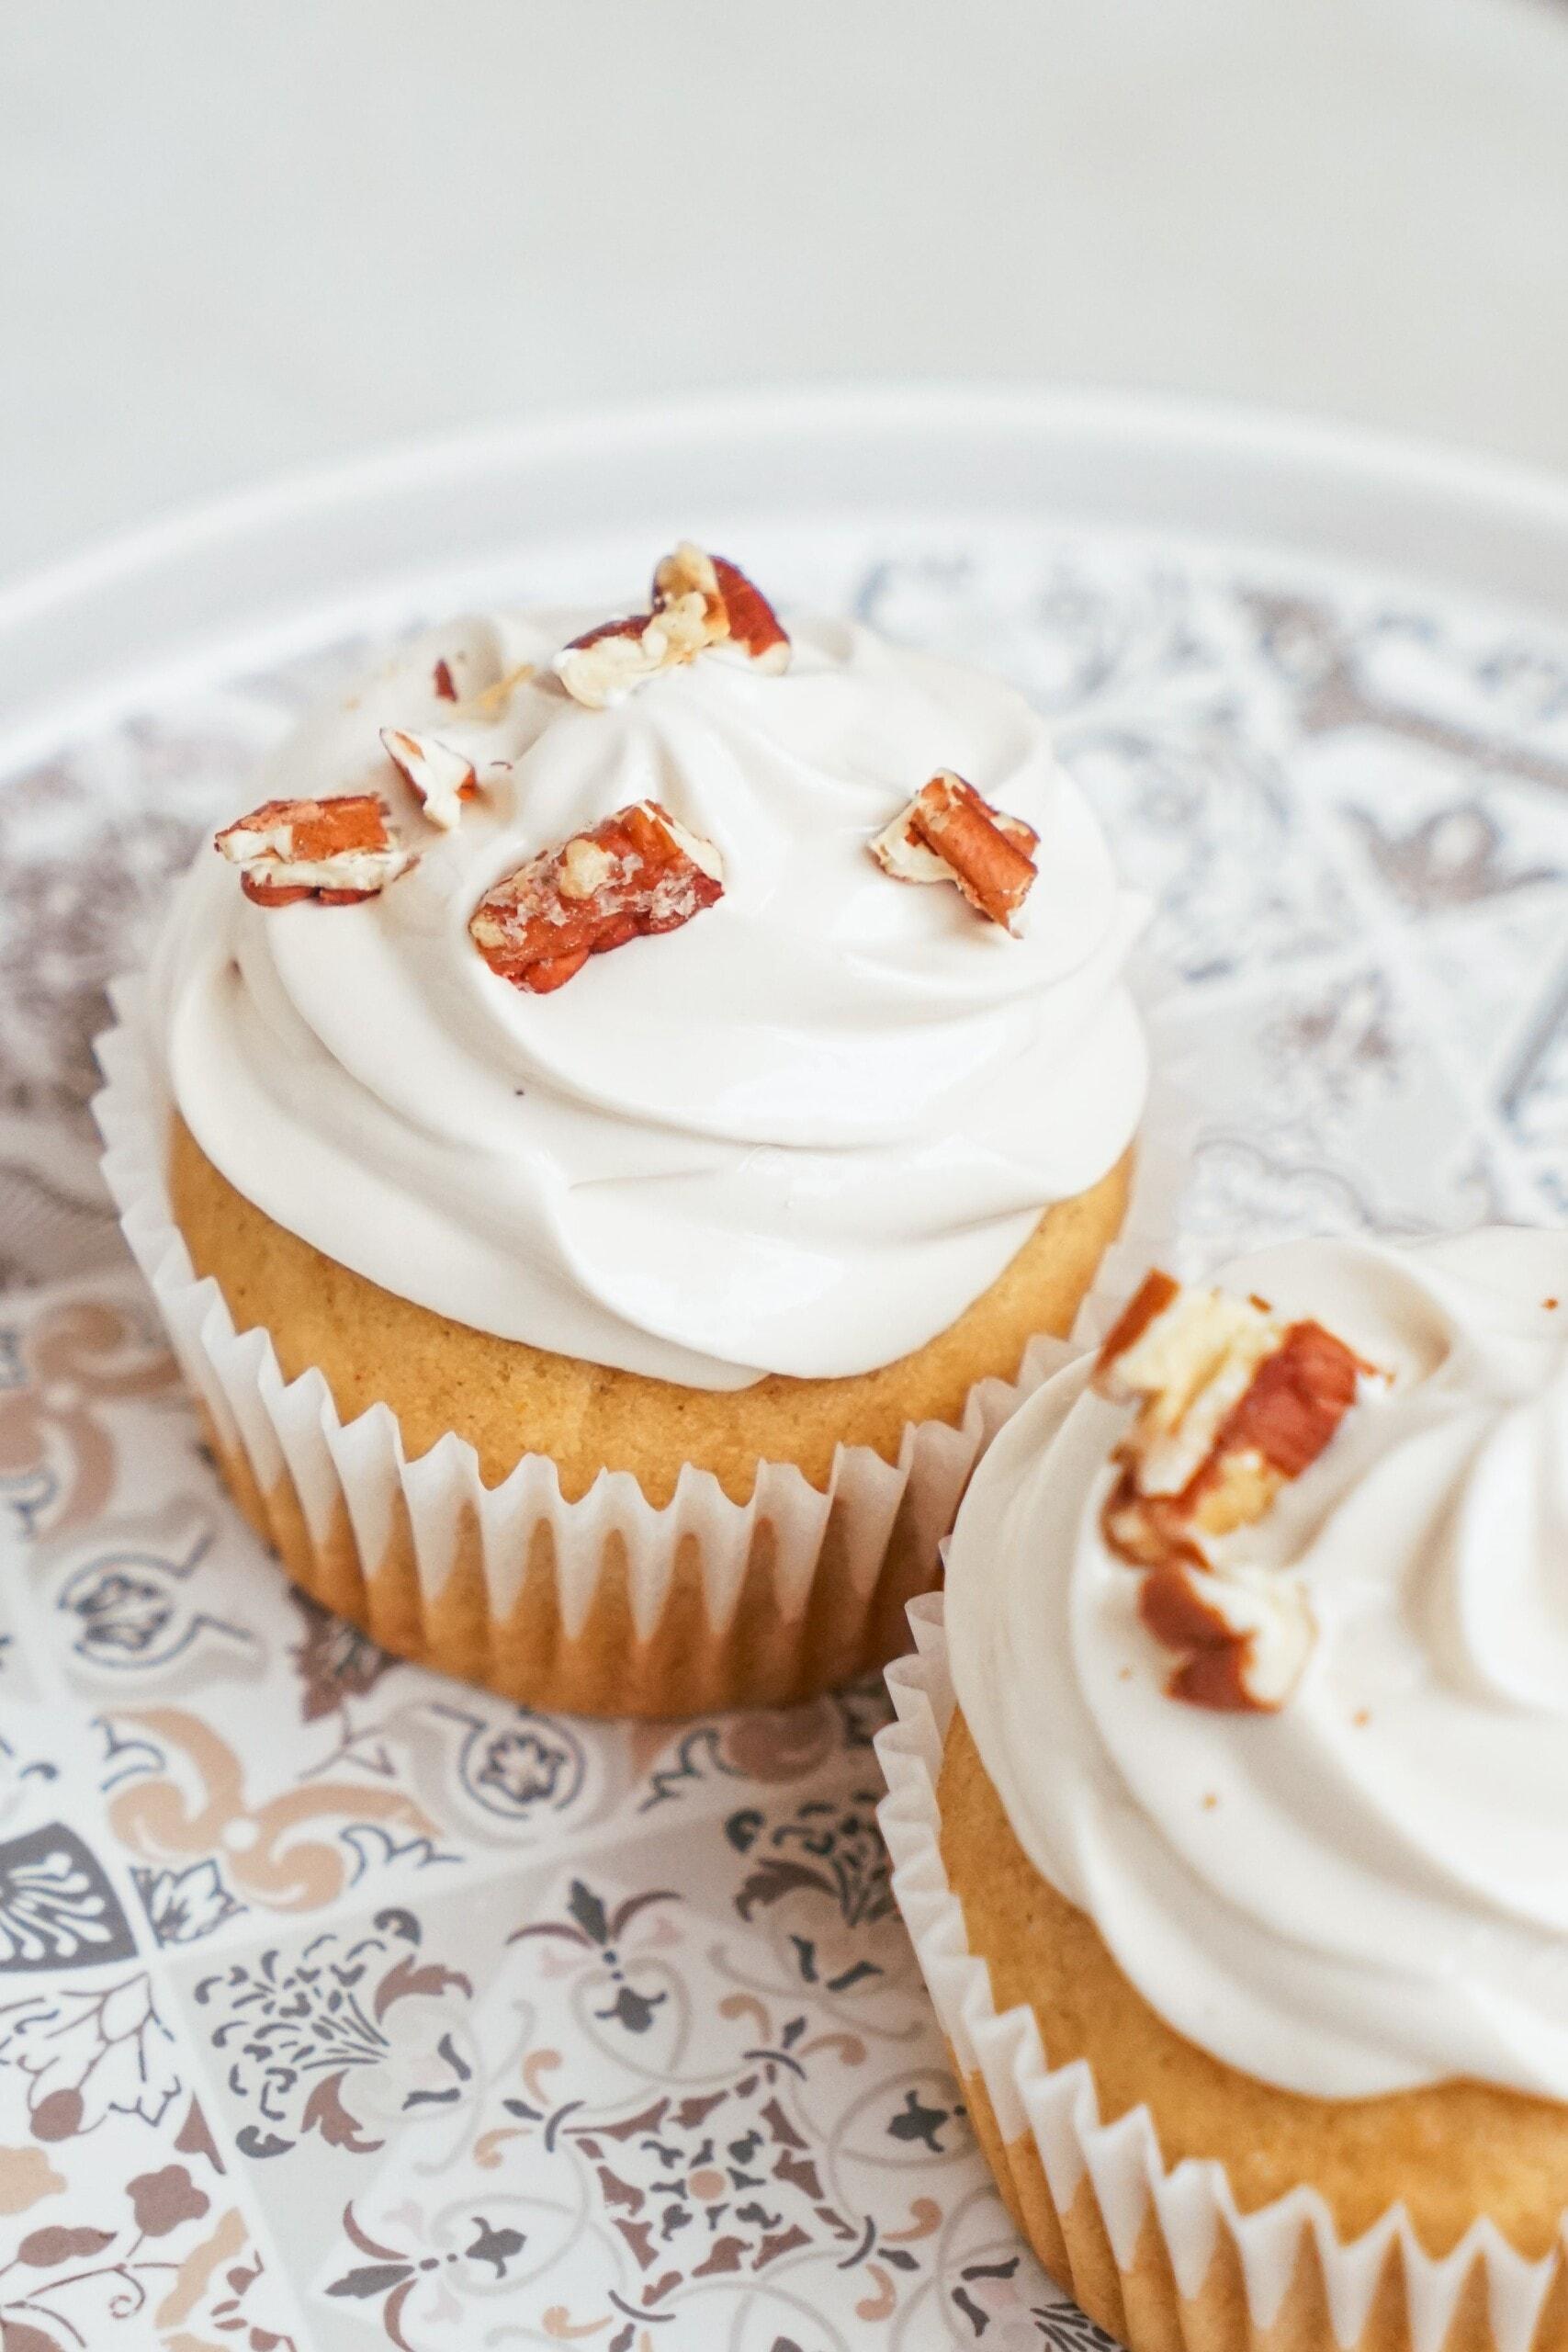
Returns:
(609, 1604)
(1164, 2257)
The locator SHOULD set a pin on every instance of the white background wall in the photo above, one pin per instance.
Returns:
(235, 238)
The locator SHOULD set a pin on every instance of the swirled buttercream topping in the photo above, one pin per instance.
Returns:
(1368, 1890)
(799, 1134)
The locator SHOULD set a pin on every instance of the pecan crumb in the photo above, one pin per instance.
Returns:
(440, 778)
(495, 696)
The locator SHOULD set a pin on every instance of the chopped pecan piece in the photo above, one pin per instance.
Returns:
(1234, 1402)
(736, 611)
(699, 601)
(338, 851)
(602, 666)
(1154, 1295)
(1148, 1530)
(1244, 1637)
(638, 873)
(948, 833)
(441, 778)
(1295, 1401)
(441, 678)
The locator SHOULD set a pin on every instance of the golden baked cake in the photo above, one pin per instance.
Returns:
(507, 1398)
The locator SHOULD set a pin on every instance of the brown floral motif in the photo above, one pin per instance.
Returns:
(597, 1930)
(335, 1662)
(525, 1765)
(827, 1845)
(1061, 2324)
(26, 2177)
(769, 1744)
(726, 2177)
(88, 2055)
(191, 1801)
(1342, 1042)
(1456, 857)
(721, 2181)
(153, 2262)
(129, 1589)
(55, 1451)
(390, 2276)
(485, 1769)
(1335, 688)
(352, 2040)
(183, 1906)
(160, 2201)
(993, 2302)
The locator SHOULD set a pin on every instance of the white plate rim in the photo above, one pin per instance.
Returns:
(229, 583)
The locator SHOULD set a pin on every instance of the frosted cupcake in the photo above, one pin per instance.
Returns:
(1231, 1813)
(640, 1078)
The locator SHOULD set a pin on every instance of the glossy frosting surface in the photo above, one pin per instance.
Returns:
(1369, 1890)
(800, 1135)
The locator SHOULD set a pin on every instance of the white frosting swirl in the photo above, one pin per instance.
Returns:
(798, 1136)
(1369, 1890)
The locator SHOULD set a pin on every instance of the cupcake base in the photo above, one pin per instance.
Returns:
(1449, 2152)
(507, 1398)
(593, 1594)
(776, 1642)
(1139, 2301)
(1195, 2253)
(766, 1654)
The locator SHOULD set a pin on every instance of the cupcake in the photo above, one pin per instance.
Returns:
(1230, 1803)
(636, 1087)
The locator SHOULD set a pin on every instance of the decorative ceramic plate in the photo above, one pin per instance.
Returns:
(341, 2006)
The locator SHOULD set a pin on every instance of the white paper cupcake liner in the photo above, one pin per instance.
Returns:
(1163, 2257)
(591, 1604)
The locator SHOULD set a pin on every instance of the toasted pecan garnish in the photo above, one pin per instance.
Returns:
(605, 664)
(1153, 1295)
(948, 833)
(441, 778)
(1296, 1400)
(1232, 1404)
(636, 874)
(1244, 1637)
(699, 602)
(337, 850)
(736, 612)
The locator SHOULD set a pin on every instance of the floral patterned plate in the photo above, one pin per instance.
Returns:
(340, 2006)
